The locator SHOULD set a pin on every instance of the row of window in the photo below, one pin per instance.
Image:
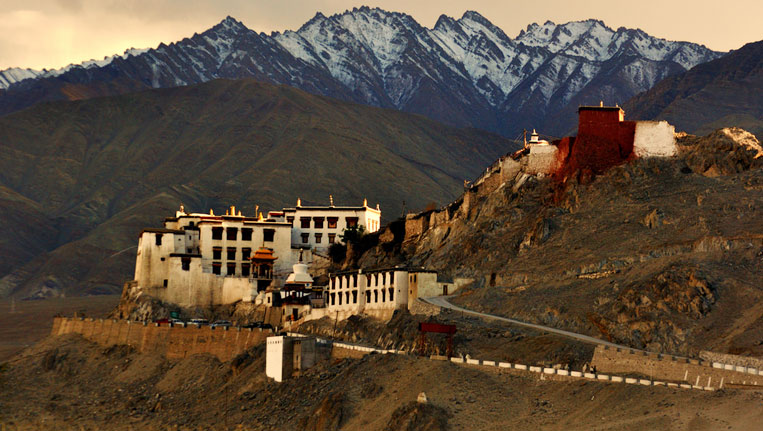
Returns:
(318, 238)
(304, 222)
(230, 268)
(352, 281)
(336, 298)
(230, 253)
(231, 234)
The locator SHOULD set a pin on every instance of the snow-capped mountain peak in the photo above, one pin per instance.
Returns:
(466, 71)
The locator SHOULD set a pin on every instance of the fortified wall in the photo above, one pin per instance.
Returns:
(665, 367)
(173, 342)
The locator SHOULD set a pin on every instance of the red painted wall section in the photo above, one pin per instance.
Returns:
(603, 141)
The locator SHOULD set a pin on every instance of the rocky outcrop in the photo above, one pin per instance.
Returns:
(724, 152)
(651, 315)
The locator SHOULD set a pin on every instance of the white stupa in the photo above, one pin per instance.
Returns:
(299, 274)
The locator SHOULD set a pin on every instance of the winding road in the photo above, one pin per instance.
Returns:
(442, 302)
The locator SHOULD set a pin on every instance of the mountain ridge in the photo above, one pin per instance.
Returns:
(710, 95)
(465, 71)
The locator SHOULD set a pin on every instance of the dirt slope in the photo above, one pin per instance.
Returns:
(67, 382)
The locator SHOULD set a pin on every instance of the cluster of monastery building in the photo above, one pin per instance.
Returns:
(201, 259)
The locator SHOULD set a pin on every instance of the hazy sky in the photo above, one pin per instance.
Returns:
(54, 33)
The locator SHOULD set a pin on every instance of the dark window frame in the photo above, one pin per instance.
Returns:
(332, 222)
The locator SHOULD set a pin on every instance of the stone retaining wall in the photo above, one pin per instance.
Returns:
(671, 368)
(170, 341)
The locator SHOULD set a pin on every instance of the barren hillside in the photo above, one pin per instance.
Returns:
(68, 382)
(663, 254)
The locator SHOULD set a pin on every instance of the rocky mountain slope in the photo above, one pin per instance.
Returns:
(723, 92)
(465, 72)
(662, 254)
(79, 180)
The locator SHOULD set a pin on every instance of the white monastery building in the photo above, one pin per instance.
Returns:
(317, 227)
(207, 259)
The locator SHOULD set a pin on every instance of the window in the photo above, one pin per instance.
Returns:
(216, 268)
(186, 263)
(332, 222)
(268, 235)
(246, 253)
(351, 221)
(165, 282)
(231, 253)
(384, 278)
(246, 234)
(304, 222)
(354, 296)
(290, 219)
(217, 233)
(305, 238)
(232, 233)
(318, 237)
(245, 269)
(332, 238)
(217, 253)
(391, 291)
(231, 269)
(368, 296)
(354, 280)
(191, 224)
(318, 221)
(158, 237)
(376, 296)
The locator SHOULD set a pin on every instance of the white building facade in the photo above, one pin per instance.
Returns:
(377, 293)
(204, 259)
(317, 227)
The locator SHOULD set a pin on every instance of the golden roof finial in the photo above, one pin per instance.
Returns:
(331, 200)
(260, 217)
(365, 202)
(299, 202)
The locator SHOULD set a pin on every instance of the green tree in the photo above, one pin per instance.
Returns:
(353, 234)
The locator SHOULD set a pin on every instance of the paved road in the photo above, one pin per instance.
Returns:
(442, 301)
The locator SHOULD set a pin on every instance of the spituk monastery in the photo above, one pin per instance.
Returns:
(201, 260)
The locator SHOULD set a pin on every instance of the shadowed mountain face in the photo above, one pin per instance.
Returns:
(722, 92)
(78, 180)
(466, 72)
